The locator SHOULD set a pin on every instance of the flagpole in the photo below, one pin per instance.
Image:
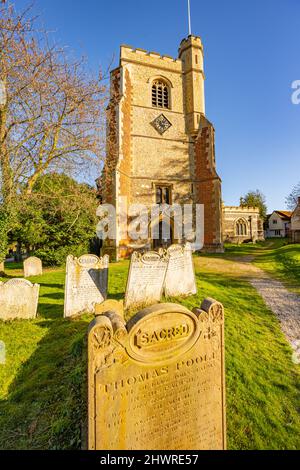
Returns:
(189, 14)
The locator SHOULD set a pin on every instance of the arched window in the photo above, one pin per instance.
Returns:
(160, 94)
(241, 228)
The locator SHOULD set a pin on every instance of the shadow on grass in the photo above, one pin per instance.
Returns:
(7, 277)
(116, 296)
(51, 311)
(13, 266)
(52, 286)
(46, 404)
(55, 296)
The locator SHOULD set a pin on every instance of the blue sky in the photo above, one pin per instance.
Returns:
(252, 51)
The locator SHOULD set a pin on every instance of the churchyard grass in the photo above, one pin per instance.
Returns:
(283, 263)
(43, 383)
(275, 256)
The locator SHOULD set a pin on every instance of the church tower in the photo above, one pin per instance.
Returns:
(191, 55)
(160, 145)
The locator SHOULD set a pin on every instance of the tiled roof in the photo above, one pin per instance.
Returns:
(284, 214)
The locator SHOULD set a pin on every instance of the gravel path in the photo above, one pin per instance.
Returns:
(283, 303)
(286, 306)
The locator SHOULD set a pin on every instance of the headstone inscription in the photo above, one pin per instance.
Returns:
(158, 382)
(18, 300)
(86, 284)
(32, 267)
(180, 277)
(146, 279)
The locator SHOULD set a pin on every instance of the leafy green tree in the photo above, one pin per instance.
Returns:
(255, 199)
(58, 218)
(292, 199)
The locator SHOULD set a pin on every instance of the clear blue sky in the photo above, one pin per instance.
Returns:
(252, 51)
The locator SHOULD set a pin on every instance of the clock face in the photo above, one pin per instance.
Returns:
(161, 124)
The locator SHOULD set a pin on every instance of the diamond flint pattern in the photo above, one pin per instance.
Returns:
(161, 124)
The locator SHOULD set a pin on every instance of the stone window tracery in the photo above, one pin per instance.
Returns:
(241, 228)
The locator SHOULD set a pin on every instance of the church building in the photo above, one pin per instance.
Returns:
(242, 225)
(160, 145)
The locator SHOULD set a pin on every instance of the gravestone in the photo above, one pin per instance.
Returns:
(86, 284)
(146, 279)
(158, 382)
(32, 267)
(180, 277)
(18, 300)
(1, 267)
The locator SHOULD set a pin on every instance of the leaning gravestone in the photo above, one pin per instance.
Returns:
(146, 279)
(32, 267)
(158, 382)
(18, 300)
(180, 278)
(86, 283)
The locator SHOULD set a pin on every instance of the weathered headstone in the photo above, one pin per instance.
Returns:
(86, 283)
(180, 278)
(18, 300)
(158, 383)
(1, 267)
(32, 267)
(146, 279)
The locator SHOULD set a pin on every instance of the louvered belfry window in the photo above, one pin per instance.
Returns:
(160, 94)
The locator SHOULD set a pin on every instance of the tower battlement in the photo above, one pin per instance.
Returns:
(190, 41)
(132, 54)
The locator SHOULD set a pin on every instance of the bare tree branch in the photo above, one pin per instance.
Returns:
(54, 114)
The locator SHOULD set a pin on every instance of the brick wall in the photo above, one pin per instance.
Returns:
(208, 186)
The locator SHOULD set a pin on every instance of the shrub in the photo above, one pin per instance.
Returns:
(57, 257)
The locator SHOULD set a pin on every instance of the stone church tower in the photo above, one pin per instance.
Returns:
(160, 145)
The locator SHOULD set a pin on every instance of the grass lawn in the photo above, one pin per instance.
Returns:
(275, 256)
(43, 383)
(282, 262)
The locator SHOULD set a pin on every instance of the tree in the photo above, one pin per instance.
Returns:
(292, 199)
(52, 110)
(255, 199)
(57, 218)
(3, 234)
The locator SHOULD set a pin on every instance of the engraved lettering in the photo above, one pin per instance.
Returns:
(144, 339)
